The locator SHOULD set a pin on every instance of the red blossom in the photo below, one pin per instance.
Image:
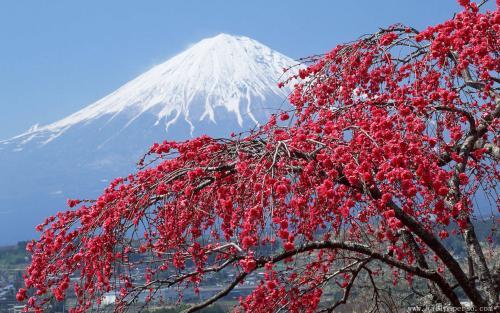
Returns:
(389, 136)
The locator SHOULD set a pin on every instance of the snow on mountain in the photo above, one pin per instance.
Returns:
(219, 85)
(234, 73)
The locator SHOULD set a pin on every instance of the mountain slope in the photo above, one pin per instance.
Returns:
(219, 85)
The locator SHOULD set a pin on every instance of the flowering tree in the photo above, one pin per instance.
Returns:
(391, 139)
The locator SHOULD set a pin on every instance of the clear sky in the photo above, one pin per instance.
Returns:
(58, 56)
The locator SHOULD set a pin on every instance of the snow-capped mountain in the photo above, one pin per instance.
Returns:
(218, 85)
(227, 74)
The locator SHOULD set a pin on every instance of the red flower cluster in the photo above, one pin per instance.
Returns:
(377, 137)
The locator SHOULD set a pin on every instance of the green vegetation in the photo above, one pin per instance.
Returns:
(13, 256)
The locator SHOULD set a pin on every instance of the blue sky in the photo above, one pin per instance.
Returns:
(58, 56)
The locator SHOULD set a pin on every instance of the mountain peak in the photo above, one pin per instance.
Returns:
(223, 40)
(224, 37)
(225, 74)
